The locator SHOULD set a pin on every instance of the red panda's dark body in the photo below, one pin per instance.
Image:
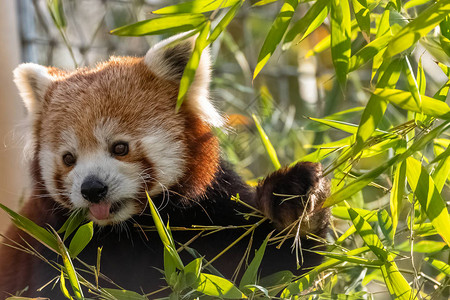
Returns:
(101, 137)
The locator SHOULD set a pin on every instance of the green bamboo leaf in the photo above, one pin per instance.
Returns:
(189, 71)
(298, 286)
(395, 282)
(57, 12)
(279, 279)
(163, 25)
(386, 225)
(39, 233)
(418, 28)
(362, 15)
(73, 222)
(344, 126)
(368, 235)
(397, 194)
(424, 246)
(445, 27)
(442, 170)
(384, 29)
(224, 22)
(170, 266)
(352, 259)
(375, 108)
(405, 100)
(164, 234)
(413, 3)
(275, 34)
(62, 286)
(124, 294)
(439, 265)
(341, 212)
(216, 286)
(313, 18)
(368, 52)
(267, 144)
(340, 38)
(264, 2)
(362, 181)
(429, 198)
(197, 6)
(73, 277)
(192, 271)
(81, 238)
(251, 272)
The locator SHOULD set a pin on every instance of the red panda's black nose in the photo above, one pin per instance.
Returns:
(93, 190)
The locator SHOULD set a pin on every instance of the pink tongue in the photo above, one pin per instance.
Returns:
(100, 211)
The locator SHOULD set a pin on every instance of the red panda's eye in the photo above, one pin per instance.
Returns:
(120, 148)
(69, 159)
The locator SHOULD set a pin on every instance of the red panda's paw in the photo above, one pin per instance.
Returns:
(295, 193)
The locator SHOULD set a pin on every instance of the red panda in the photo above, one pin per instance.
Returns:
(100, 137)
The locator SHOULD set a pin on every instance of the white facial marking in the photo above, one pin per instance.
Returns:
(166, 154)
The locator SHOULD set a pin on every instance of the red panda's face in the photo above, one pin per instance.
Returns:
(104, 136)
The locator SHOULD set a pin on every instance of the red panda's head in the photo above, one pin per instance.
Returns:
(102, 136)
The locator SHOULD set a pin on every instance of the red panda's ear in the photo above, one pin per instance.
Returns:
(168, 59)
(32, 80)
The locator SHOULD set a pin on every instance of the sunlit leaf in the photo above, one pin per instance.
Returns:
(191, 67)
(340, 38)
(313, 18)
(267, 144)
(124, 294)
(81, 238)
(224, 22)
(275, 34)
(57, 12)
(395, 282)
(251, 272)
(368, 52)
(341, 212)
(32, 229)
(397, 194)
(429, 197)
(362, 181)
(162, 25)
(418, 28)
(70, 270)
(62, 286)
(192, 271)
(197, 6)
(362, 15)
(386, 224)
(405, 100)
(439, 265)
(212, 285)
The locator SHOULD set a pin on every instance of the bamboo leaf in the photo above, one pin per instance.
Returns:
(251, 272)
(340, 38)
(81, 238)
(397, 285)
(405, 100)
(192, 271)
(275, 34)
(70, 270)
(439, 265)
(224, 22)
(62, 286)
(351, 259)
(397, 194)
(362, 15)
(267, 144)
(313, 18)
(216, 286)
(57, 12)
(362, 181)
(429, 198)
(386, 225)
(189, 71)
(368, 235)
(368, 52)
(162, 25)
(418, 28)
(39, 233)
(197, 7)
(124, 294)
(164, 234)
